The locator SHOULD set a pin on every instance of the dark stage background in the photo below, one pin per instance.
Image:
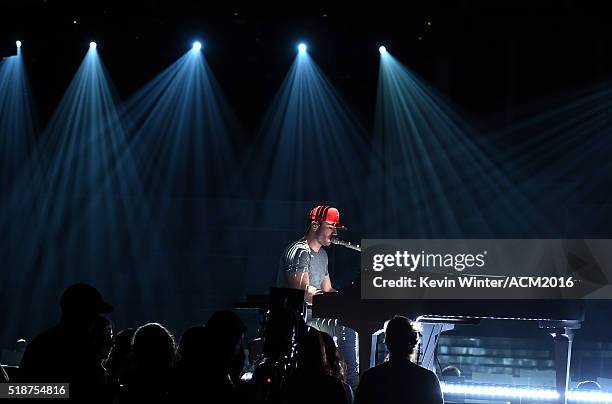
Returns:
(496, 66)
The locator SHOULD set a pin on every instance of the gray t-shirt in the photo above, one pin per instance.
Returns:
(298, 257)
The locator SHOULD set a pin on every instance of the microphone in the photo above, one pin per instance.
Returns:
(346, 244)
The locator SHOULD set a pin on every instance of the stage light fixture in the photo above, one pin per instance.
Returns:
(93, 45)
(18, 43)
(382, 50)
(197, 45)
(302, 48)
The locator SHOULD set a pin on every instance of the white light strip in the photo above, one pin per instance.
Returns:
(589, 396)
(544, 394)
(499, 391)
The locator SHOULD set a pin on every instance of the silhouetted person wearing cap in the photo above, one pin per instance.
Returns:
(399, 380)
(69, 351)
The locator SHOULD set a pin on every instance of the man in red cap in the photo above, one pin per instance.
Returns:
(303, 264)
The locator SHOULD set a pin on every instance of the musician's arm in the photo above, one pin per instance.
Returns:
(326, 285)
(300, 280)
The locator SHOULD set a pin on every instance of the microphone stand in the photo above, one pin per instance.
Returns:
(346, 244)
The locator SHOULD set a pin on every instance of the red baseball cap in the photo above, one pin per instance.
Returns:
(327, 214)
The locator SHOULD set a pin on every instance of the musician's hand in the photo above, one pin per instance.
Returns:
(310, 292)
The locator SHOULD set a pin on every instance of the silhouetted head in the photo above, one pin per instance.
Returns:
(153, 346)
(312, 358)
(588, 385)
(225, 332)
(336, 366)
(119, 358)
(122, 343)
(450, 371)
(83, 301)
(401, 337)
(194, 345)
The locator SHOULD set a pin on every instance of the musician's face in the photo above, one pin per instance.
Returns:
(324, 233)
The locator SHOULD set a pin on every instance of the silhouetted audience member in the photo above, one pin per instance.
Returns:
(399, 380)
(335, 363)
(226, 333)
(588, 385)
(210, 360)
(67, 352)
(450, 372)
(119, 360)
(102, 338)
(191, 367)
(311, 382)
(192, 348)
(336, 366)
(153, 351)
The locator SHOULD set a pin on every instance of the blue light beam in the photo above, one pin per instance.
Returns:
(81, 225)
(17, 124)
(183, 134)
(433, 164)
